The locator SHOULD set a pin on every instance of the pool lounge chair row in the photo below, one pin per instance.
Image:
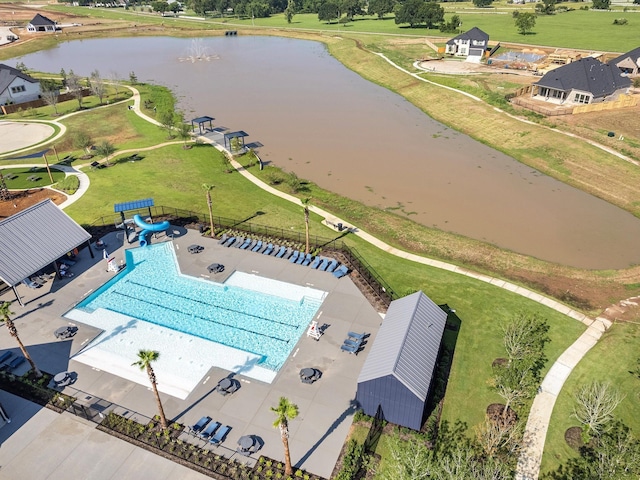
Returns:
(353, 343)
(8, 363)
(294, 256)
(212, 432)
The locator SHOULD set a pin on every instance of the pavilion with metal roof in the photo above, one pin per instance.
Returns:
(228, 137)
(34, 238)
(396, 377)
(201, 121)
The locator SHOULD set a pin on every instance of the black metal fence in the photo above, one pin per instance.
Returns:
(246, 226)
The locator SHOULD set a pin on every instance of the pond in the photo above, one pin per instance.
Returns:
(319, 119)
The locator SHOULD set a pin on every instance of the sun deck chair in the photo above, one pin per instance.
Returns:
(30, 283)
(197, 428)
(281, 252)
(5, 356)
(229, 241)
(332, 265)
(340, 272)
(307, 260)
(294, 257)
(353, 343)
(268, 249)
(287, 255)
(276, 249)
(208, 432)
(349, 349)
(223, 239)
(316, 263)
(257, 246)
(301, 256)
(356, 336)
(16, 362)
(239, 242)
(324, 264)
(245, 244)
(220, 435)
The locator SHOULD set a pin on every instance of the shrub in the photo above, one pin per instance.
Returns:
(352, 460)
(620, 21)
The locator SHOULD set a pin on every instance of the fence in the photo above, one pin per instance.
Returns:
(316, 243)
(622, 101)
(14, 107)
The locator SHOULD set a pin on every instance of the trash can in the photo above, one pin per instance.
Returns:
(340, 227)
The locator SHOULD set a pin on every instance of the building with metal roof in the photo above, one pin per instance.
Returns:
(396, 377)
(34, 238)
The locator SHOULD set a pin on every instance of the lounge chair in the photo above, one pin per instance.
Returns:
(257, 246)
(332, 265)
(276, 249)
(30, 283)
(301, 257)
(223, 239)
(220, 435)
(67, 262)
(197, 428)
(340, 272)
(268, 249)
(16, 362)
(229, 241)
(324, 264)
(5, 356)
(245, 244)
(294, 257)
(316, 263)
(349, 349)
(281, 252)
(356, 336)
(353, 343)
(208, 432)
(288, 253)
(239, 242)
(307, 260)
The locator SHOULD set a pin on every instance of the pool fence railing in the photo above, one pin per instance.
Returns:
(199, 220)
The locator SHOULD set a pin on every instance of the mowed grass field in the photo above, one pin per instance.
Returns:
(580, 29)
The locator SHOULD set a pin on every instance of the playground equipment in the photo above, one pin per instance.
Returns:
(148, 229)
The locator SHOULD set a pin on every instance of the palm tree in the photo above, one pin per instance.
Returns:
(13, 331)
(207, 188)
(285, 411)
(145, 357)
(305, 205)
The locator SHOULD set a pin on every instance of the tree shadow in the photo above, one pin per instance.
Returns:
(350, 410)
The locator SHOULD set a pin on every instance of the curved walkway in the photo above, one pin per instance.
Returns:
(542, 407)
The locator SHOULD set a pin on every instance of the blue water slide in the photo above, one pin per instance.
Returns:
(149, 228)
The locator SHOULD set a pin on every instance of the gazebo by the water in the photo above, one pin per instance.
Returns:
(228, 138)
(201, 121)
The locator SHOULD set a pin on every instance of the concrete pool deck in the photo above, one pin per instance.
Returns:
(326, 407)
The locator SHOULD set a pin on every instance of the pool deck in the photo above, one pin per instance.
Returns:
(326, 407)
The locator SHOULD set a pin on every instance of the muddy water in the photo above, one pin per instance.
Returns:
(319, 119)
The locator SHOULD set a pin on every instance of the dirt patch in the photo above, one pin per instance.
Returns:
(496, 414)
(573, 437)
(26, 198)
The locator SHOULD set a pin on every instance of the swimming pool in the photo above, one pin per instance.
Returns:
(260, 316)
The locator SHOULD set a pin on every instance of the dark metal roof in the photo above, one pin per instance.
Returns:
(41, 20)
(202, 119)
(474, 34)
(587, 75)
(35, 237)
(407, 344)
(9, 74)
(237, 134)
(134, 205)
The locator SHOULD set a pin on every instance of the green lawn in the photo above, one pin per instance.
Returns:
(611, 360)
(21, 180)
(583, 29)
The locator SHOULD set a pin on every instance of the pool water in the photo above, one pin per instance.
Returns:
(236, 314)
